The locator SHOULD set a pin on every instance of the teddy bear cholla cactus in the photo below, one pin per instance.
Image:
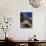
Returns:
(35, 3)
(6, 24)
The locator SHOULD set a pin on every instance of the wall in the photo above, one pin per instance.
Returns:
(12, 8)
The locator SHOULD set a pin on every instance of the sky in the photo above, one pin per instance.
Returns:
(27, 14)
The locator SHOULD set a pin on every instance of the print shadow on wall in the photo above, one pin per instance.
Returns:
(26, 19)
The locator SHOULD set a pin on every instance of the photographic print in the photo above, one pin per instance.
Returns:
(26, 19)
